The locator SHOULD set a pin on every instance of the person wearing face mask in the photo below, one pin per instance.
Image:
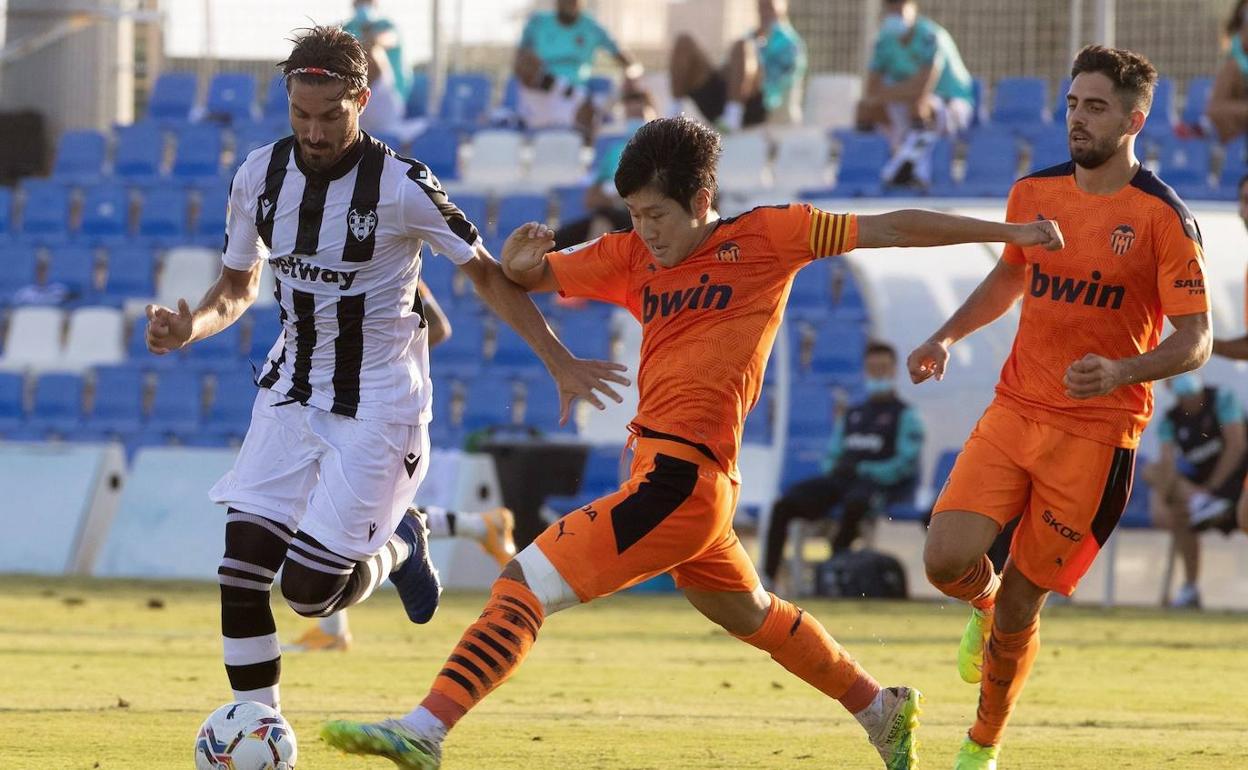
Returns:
(606, 211)
(917, 89)
(1228, 101)
(763, 73)
(1200, 475)
(872, 460)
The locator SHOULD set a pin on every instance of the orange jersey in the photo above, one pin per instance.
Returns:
(1130, 259)
(708, 324)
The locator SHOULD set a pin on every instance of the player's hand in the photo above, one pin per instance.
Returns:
(525, 249)
(579, 378)
(1092, 376)
(1042, 232)
(168, 330)
(928, 360)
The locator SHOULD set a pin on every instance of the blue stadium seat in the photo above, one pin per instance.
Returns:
(163, 218)
(438, 148)
(1196, 100)
(230, 97)
(512, 351)
(476, 210)
(12, 409)
(221, 352)
(131, 271)
(199, 152)
(253, 136)
(811, 287)
(1020, 102)
(20, 265)
(489, 402)
(590, 338)
(464, 350)
(1185, 165)
(992, 159)
(80, 157)
(230, 413)
(276, 107)
(466, 98)
(1059, 101)
(438, 273)
(839, 349)
(266, 325)
(1050, 148)
(602, 472)
(1234, 167)
(418, 97)
(105, 213)
(862, 157)
(6, 213)
(210, 222)
(803, 458)
(140, 152)
(944, 466)
(177, 403)
(541, 406)
(515, 210)
(73, 266)
(1163, 115)
(118, 400)
(58, 403)
(45, 211)
(511, 94)
(571, 202)
(173, 97)
(812, 419)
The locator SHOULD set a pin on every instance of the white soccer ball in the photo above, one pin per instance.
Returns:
(245, 736)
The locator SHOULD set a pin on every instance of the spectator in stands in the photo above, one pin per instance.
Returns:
(762, 77)
(1237, 348)
(1228, 101)
(371, 28)
(872, 460)
(1200, 476)
(385, 114)
(553, 65)
(607, 211)
(917, 89)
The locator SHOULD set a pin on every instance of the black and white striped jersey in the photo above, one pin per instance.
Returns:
(344, 246)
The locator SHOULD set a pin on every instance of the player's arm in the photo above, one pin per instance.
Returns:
(1235, 349)
(1188, 348)
(574, 377)
(996, 294)
(524, 258)
(917, 227)
(439, 324)
(1226, 110)
(230, 295)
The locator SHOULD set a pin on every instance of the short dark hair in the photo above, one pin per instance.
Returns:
(1133, 75)
(877, 346)
(675, 156)
(332, 49)
(1236, 20)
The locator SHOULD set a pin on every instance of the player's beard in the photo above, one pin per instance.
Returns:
(328, 156)
(1094, 153)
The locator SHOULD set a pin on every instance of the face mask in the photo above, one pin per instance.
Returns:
(878, 386)
(1185, 385)
(894, 25)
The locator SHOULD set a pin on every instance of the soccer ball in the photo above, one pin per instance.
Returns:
(245, 736)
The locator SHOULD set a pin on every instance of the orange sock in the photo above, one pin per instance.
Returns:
(978, 586)
(1007, 664)
(488, 652)
(798, 642)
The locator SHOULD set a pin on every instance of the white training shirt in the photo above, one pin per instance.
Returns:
(344, 246)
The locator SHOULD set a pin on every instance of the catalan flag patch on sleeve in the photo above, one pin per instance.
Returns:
(829, 233)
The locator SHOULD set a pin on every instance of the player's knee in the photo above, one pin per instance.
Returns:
(942, 566)
(310, 592)
(533, 569)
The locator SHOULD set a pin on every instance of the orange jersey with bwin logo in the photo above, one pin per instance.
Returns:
(1130, 259)
(708, 324)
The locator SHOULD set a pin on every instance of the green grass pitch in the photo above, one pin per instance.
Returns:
(118, 675)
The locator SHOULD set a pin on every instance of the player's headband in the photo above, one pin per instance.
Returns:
(316, 71)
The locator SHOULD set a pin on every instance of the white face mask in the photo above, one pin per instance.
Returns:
(894, 25)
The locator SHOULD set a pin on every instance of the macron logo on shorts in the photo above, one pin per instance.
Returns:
(411, 463)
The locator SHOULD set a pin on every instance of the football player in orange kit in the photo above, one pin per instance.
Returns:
(710, 294)
(1057, 445)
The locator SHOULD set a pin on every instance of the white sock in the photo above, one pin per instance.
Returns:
(269, 696)
(870, 717)
(439, 522)
(425, 724)
(335, 625)
(734, 115)
(470, 525)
